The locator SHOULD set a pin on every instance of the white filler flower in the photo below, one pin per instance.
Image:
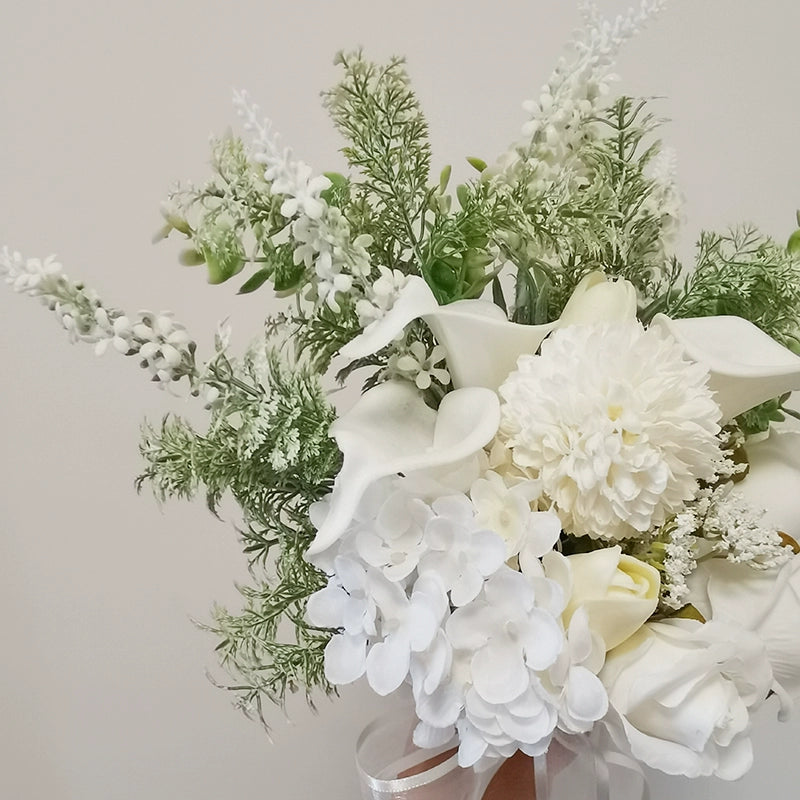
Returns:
(616, 422)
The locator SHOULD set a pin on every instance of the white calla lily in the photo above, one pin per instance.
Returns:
(414, 301)
(774, 478)
(482, 345)
(391, 430)
(747, 365)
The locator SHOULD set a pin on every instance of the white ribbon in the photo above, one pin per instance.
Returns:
(608, 771)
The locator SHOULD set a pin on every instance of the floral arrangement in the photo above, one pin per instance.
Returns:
(536, 512)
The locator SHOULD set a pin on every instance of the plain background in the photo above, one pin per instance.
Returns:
(103, 694)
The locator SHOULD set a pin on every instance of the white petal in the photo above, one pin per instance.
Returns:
(441, 708)
(387, 664)
(426, 736)
(587, 700)
(471, 746)
(774, 471)
(326, 607)
(390, 430)
(498, 672)
(414, 300)
(345, 658)
(482, 345)
(747, 366)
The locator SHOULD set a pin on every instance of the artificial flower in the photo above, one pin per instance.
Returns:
(505, 509)
(766, 602)
(391, 430)
(598, 299)
(616, 424)
(460, 553)
(681, 694)
(617, 592)
(746, 366)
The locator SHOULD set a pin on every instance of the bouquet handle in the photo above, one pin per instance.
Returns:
(391, 767)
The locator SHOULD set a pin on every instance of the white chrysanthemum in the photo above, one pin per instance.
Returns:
(618, 425)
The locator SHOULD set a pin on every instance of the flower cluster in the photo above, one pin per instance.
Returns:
(162, 345)
(321, 232)
(421, 590)
(452, 576)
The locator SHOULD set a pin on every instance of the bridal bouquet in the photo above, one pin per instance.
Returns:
(532, 507)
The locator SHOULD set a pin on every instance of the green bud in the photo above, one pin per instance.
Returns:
(179, 224)
(462, 193)
(793, 245)
(478, 163)
(444, 179)
(191, 258)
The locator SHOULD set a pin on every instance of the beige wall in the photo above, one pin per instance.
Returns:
(102, 690)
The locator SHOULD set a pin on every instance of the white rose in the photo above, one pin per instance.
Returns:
(597, 299)
(681, 694)
(766, 602)
(619, 592)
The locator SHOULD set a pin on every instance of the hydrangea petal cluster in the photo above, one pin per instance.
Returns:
(616, 423)
(419, 591)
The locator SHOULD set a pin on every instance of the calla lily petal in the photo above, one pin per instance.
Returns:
(774, 479)
(391, 430)
(482, 345)
(415, 300)
(747, 365)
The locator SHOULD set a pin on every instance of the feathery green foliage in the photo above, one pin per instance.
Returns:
(267, 444)
(374, 107)
(745, 274)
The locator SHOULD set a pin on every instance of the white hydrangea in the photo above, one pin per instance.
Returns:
(419, 591)
(616, 423)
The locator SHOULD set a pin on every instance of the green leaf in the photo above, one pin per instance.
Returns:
(223, 265)
(497, 295)
(793, 245)
(444, 179)
(255, 281)
(191, 258)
